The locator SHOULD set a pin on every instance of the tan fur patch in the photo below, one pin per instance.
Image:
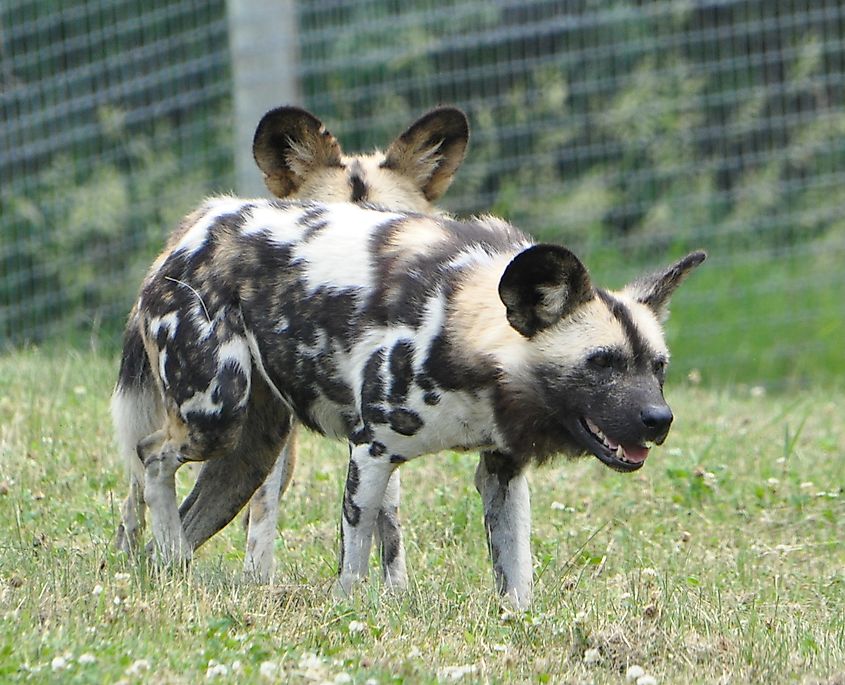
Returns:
(417, 237)
(478, 318)
(327, 183)
(589, 327)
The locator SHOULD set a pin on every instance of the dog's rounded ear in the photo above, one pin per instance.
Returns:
(655, 290)
(430, 151)
(289, 144)
(541, 285)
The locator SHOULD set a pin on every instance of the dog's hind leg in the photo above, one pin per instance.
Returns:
(162, 458)
(507, 520)
(227, 482)
(366, 483)
(389, 531)
(259, 561)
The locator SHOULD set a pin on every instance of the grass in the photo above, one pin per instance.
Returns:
(721, 561)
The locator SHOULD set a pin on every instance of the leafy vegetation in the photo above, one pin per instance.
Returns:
(630, 131)
(722, 560)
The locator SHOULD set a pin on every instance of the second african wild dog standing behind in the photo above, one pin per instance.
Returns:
(299, 159)
(403, 334)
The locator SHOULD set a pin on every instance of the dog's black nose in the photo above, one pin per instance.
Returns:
(657, 418)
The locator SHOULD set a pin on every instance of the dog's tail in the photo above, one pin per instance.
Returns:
(136, 406)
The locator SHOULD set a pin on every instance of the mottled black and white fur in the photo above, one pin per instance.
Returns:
(299, 159)
(403, 334)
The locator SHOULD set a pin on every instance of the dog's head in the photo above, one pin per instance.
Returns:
(595, 360)
(300, 159)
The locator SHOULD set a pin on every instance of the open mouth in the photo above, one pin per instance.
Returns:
(617, 456)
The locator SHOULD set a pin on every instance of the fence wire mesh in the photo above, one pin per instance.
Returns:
(630, 130)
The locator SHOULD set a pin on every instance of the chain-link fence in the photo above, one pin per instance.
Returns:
(630, 130)
(114, 118)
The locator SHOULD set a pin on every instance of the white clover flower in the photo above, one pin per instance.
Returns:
(216, 670)
(97, 590)
(87, 659)
(592, 656)
(268, 670)
(356, 627)
(457, 672)
(138, 667)
(58, 663)
(342, 679)
(122, 577)
(237, 666)
(633, 673)
(646, 680)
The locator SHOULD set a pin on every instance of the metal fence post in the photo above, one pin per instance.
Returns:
(265, 54)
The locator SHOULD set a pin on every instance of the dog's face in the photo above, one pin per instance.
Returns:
(596, 360)
(300, 159)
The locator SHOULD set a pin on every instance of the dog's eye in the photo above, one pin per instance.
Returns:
(659, 367)
(601, 359)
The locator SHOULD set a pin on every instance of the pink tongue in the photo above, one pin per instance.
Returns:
(635, 454)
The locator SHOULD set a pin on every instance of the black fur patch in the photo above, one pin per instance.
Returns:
(134, 364)
(377, 448)
(388, 531)
(401, 371)
(622, 314)
(353, 478)
(357, 183)
(362, 436)
(372, 390)
(404, 421)
(451, 374)
(397, 459)
(351, 511)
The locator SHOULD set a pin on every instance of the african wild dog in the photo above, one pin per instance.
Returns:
(403, 334)
(299, 159)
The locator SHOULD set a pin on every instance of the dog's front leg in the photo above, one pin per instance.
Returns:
(389, 531)
(507, 520)
(259, 561)
(366, 482)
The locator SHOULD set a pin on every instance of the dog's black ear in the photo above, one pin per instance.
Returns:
(655, 290)
(431, 150)
(289, 144)
(542, 285)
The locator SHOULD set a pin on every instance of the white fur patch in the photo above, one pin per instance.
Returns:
(280, 224)
(168, 322)
(339, 255)
(136, 413)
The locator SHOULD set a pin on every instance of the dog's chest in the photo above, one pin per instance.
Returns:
(383, 387)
